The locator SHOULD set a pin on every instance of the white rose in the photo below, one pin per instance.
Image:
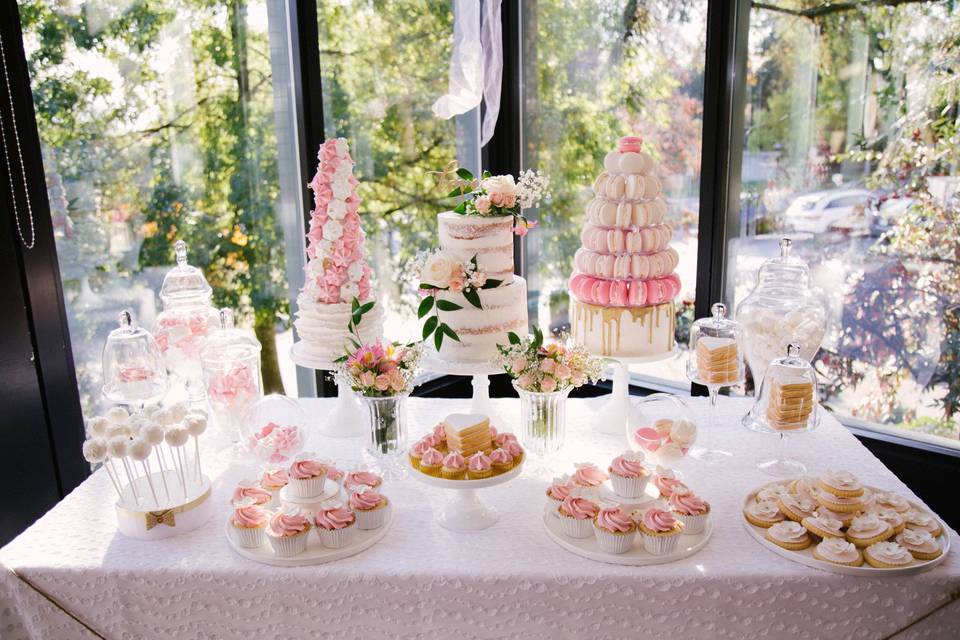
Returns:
(340, 146)
(315, 268)
(332, 230)
(355, 271)
(349, 291)
(337, 209)
(325, 246)
(499, 184)
(683, 432)
(343, 170)
(341, 189)
(437, 270)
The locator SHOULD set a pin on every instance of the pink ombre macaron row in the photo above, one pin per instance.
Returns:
(606, 265)
(607, 213)
(646, 240)
(624, 293)
(632, 186)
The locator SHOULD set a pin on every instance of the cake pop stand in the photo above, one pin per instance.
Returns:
(464, 510)
(148, 519)
(347, 420)
(612, 417)
(480, 372)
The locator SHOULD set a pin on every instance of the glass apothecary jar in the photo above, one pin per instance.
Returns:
(231, 372)
(187, 318)
(782, 309)
(133, 370)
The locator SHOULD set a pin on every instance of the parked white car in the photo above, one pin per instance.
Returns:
(816, 212)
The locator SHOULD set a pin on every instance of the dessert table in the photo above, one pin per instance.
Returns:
(71, 575)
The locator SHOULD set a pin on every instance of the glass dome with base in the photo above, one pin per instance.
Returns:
(231, 372)
(133, 370)
(787, 403)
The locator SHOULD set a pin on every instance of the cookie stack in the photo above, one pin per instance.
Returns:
(468, 433)
(791, 403)
(717, 360)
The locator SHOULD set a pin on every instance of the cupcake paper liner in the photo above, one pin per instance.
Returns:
(335, 538)
(575, 528)
(613, 542)
(628, 487)
(247, 538)
(372, 518)
(693, 525)
(285, 547)
(551, 506)
(307, 488)
(660, 545)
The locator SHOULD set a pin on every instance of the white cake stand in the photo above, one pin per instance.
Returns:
(465, 511)
(480, 371)
(347, 420)
(612, 417)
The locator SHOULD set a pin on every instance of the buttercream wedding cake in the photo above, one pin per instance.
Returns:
(337, 270)
(623, 284)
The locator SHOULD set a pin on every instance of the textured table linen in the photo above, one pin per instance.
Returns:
(508, 581)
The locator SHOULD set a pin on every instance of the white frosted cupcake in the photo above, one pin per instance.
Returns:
(370, 507)
(614, 529)
(248, 524)
(287, 533)
(692, 511)
(576, 515)
(660, 531)
(335, 525)
(307, 477)
(628, 475)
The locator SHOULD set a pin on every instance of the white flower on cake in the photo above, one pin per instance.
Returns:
(337, 209)
(343, 171)
(501, 189)
(341, 189)
(332, 230)
(349, 291)
(438, 269)
(326, 245)
(340, 147)
(355, 272)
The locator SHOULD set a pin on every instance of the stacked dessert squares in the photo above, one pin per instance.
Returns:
(468, 433)
(791, 403)
(717, 360)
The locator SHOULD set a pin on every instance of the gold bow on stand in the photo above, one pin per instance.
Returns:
(156, 518)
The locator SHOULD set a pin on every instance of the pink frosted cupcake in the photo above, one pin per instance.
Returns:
(454, 466)
(690, 509)
(614, 529)
(666, 481)
(307, 478)
(369, 507)
(431, 462)
(274, 479)
(501, 460)
(287, 533)
(576, 515)
(557, 493)
(335, 525)
(333, 474)
(628, 475)
(479, 466)
(248, 490)
(503, 438)
(660, 531)
(417, 451)
(588, 476)
(248, 524)
(514, 449)
(361, 478)
(439, 437)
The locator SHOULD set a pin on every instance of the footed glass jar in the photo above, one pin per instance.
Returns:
(231, 373)
(133, 371)
(543, 420)
(782, 309)
(188, 316)
(387, 432)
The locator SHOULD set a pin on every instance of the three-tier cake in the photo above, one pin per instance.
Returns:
(623, 284)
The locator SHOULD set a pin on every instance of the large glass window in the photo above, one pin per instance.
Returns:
(850, 148)
(159, 121)
(594, 71)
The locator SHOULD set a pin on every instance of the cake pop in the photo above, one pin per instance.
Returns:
(176, 436)
(196, 424)
(117, 447)
(95, 452)
(153, 433)
(139, 450)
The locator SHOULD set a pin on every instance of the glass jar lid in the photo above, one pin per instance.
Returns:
(718, 325)
(229, 343)
(133, 369)
(785, 271)
(184, 282)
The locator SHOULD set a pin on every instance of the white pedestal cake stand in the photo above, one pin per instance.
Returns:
(480, 372)
(612, 417)
(347, 420)
(465, 511)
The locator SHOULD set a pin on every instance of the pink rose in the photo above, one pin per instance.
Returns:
(509, 200)
(518, 364)
(456, 284)
(562, 372)
(383, 382)
(483, 205)
(548, 384)
(548, 365)
(525, 381)
(496, 199)
(367, 379)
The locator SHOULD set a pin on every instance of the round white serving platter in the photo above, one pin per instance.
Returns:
(637, 556)
(315, 553)
(805, 556)
(465, 511)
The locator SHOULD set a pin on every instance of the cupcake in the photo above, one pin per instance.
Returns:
(360, 478)
(628, 475)
(763, 514)
(838, 551)
(333, 474)
(920, 544)
(666, 481)
(440, 437)
(660, 531)
(274, 479)
(248, 524)
(514, 449)
(866, 529)
(479, 466)
(503, 438)
(454, 466)
(557, 493)
(369, 507)
(247, 490)
(306, 478)
(917, 519)
(614, 529)
(588, 476)
(431, 461)
(576, 515)
(287, 532)
(796, 508)
(887, 555)
(891, 500)
(891, 517)
(789, 535)
(417, 451)
(690, 510)
(841, 504)
(335, 525)
(501, 460)
(823, 526)
(842, 484)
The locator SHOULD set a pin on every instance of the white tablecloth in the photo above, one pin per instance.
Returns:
(507, 581)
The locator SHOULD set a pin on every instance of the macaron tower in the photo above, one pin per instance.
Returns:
(623, 283)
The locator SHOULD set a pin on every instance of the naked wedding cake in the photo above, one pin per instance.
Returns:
(337, 269)
(623, 284)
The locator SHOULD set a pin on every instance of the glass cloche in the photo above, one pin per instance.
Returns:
(716, 355)
(273, 429)
(231, 372)
(187, 318)
(662, 427)
(783, 308)
(133, 369)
